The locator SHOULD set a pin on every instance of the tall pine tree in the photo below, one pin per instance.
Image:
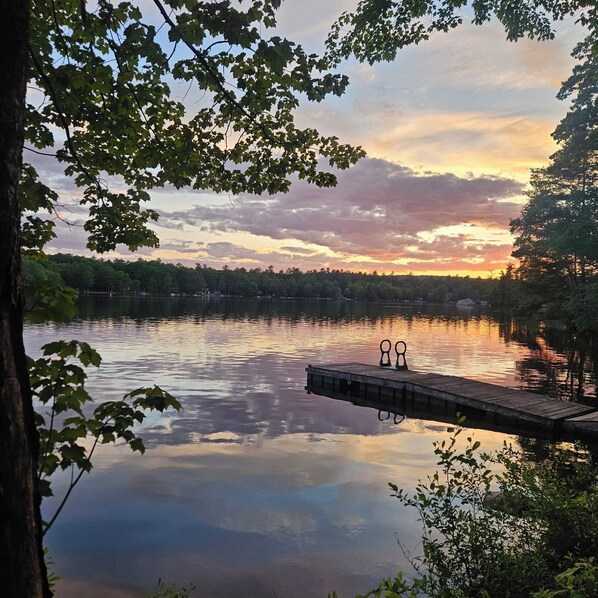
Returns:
(557, 232)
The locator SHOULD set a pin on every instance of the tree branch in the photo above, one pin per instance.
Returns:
(217, 80)
(61, 116)
(30, 149)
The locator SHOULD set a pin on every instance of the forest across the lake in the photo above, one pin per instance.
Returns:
(160, 278)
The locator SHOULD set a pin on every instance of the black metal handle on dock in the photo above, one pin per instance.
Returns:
(400, 350)
(385, 357)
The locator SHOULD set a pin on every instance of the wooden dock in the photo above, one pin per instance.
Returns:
(493, 406)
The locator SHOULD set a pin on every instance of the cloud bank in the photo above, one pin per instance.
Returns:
(381, 214)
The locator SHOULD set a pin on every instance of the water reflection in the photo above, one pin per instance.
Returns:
(560, 363)
(396, 410)
(160, 308)
(256, 485)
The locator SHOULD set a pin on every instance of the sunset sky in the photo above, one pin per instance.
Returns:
(451, 129)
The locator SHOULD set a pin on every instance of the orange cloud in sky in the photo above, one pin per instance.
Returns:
(465, 142)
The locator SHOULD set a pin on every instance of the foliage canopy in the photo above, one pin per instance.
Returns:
(378, 29)
(182, 93)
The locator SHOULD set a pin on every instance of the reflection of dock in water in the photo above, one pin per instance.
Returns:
(438, 397)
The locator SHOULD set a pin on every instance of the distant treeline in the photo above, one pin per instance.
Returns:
(160, 278)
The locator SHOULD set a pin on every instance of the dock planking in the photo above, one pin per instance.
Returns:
(521, 407)
(582, 425)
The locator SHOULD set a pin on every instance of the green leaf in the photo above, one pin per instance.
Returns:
(137, 445)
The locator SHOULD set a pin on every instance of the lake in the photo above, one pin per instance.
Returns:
(255, 487)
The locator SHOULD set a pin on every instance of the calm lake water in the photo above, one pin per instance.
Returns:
(256, 488)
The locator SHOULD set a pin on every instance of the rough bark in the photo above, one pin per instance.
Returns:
(22, 570)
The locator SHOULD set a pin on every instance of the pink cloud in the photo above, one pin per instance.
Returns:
(377, 210)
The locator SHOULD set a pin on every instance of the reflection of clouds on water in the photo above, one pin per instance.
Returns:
(352, 526)
(255, 506)
(266, 520)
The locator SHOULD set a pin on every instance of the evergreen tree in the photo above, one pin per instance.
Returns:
(557, 232)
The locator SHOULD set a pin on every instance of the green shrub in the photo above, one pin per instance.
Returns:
(494, 524)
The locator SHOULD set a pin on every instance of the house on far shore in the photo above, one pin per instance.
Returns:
(465, 302)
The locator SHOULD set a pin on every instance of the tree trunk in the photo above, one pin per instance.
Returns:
(22, 569)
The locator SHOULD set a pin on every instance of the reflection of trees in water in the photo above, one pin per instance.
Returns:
(94, 307)
(564, 458)
(560, 363)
